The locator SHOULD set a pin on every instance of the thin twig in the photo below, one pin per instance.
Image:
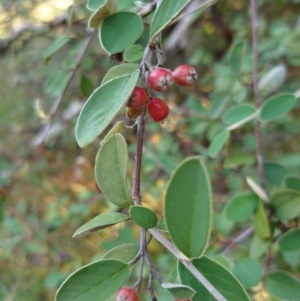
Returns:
(59, 99)
(187, 263)
(258, 133)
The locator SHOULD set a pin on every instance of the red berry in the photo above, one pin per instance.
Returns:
(127, 293)
(158, 109)
(184, 75)
(133, 113)
(160, 79)
(137, 99)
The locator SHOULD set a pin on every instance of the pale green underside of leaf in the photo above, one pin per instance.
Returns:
(100, 222)
(188, 207)
(165, 14)
(237, 114)
(111, 169)
(102, 106)
(218, 276)
(96, 281)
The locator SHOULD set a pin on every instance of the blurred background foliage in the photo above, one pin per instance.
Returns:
(48, 190)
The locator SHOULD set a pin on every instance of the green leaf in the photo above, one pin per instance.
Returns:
(274, 173)
(188, 207)
(94, 4)
(110, 170)
(162, 226)
(165, 14)
(120, 30)
(56, 84)
(217, 107)
(260, 222)
(119, 127)
(134, 53)
(292, 182)
(236, 161)
(53, 48)
(258, 246)
(125, 4)
(286, 203)
(241, 207)
(95, 281)
(257, 189)
(292, 258)
(86, 86)
(248, 271)
(290, 240)
(100, 222)
(222, 260)
(236, 58)
(179, 291)
(119, 70)
(124, 253)
(237, 114)
(273, 80)
(102, 106)
(218, 142)
(217, 275)
(283, 285)
(276, 107)
(143, 216)
(104, 11)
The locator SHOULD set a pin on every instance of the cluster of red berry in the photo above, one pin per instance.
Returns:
(127, 293)
(159, 80)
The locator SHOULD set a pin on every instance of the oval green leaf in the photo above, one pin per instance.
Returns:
(260, 222)
(104, 11)
(100, 222)
(102, 106)
(218, 142)
(236, 58)
(134, 53)
(179, 291)
(241, 207)
(124, 253)
(276, 107)
(248, 271)
(188, 207)
(222, 260)
(143, 216)
(290, 241)
(57, 83)
(53, 48)
(165, 14)
(111, 169)
(292, 182)
(86, 86)
(283, 285)
(274, 173)
(218, 276)
(120, 30)
(95, 281)
(119, 70)
(237, 114)
(119, 127)
(286, 203)
(217, 107)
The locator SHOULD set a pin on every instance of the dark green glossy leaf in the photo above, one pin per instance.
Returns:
(111, 169)
(119, 70)
(179, 291)
(124, 253)
(53, 48)
(120, 30)
(274, 173)
(248, 271)
(260, 222)
(134, 53)
(188, 207)
(292, 182)
(165, 14)
(87, 87)
(237, 114)
(283, 285)
(218, 142)
(218, 276)
(57, 83)
(276, 107)
(241, 207)
(236, 58)
(102, 106)
(95, 281)
(143, 216)
(286, 203)
(105, 10)
(100, 222)
(290, 240)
